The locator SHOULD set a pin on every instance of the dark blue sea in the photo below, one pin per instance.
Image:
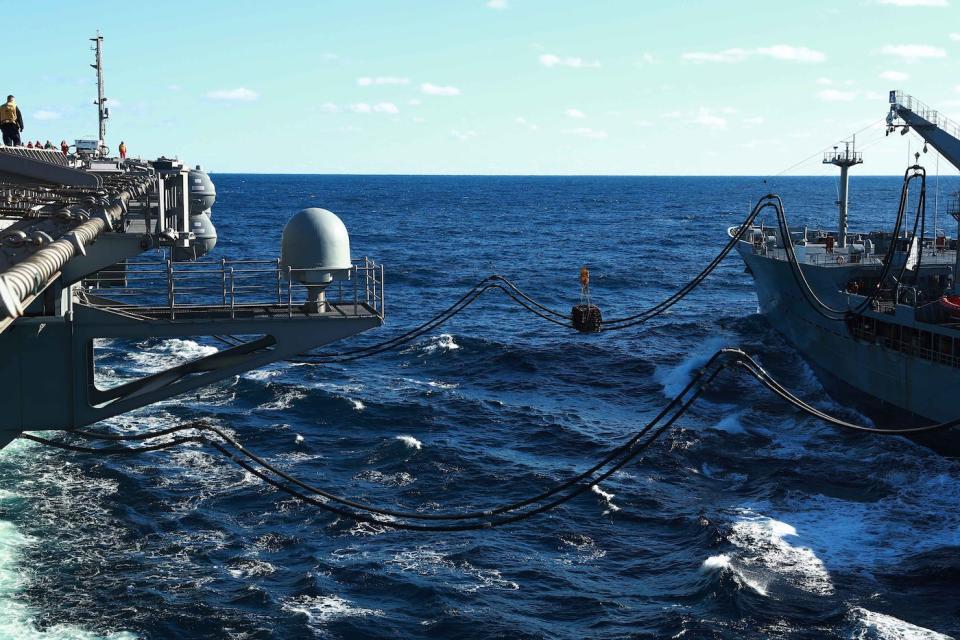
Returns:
(747, 520)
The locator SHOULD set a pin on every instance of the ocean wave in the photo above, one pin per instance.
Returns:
(320, 610)
(870, 625)
(411, 442)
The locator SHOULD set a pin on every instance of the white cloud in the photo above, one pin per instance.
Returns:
(45, 114)
(824, 81)
(380, 107)
(552, 60)
(414, 102)
(574, 113)
(956, 89)
(649, 58)
(707, 118)
(523, 122)
(497, 4)
(794, 54)
(643, 123)
(587, 132)
(329, 107)
(914, 51)
(463, 135)
(894, 76)
(727, 55)
(367, 81)
(435, 90)
(916, 3)
(836, 95)
(955, 37)
(173, 87)
(737, 54)
(754, 121)
(241, 94)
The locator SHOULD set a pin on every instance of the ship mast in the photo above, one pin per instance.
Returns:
(102, 111)
(843, 159)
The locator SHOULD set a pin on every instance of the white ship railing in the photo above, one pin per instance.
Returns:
(234, 287)
(926, 112)
(837, 259)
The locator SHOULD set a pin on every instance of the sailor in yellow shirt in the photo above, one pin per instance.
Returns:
(11, 122)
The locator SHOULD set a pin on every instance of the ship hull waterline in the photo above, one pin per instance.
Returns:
(890, 387)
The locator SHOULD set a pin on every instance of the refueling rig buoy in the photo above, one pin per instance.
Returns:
(586, 317)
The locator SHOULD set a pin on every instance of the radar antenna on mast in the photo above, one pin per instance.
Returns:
(103, 112)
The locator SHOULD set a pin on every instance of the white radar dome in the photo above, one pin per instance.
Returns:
(317, 240)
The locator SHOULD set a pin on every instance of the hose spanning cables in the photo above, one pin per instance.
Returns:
(521, 298)
(771, 201)
(517, 511)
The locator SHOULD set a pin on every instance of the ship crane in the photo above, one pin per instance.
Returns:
(936, 129)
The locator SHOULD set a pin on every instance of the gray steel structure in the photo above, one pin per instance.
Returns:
(73, 234)
(905, 349)
(69, 277)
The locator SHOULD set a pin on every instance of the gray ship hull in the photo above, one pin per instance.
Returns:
(918, 387)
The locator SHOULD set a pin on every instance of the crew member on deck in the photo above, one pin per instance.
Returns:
(11, 122)
(64, 147)
(48, 145)
(123, 150)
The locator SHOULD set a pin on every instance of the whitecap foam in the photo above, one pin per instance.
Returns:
(459, 574)
(870, 625)
(763, 542)
(411, 442)
(16, 622)
(400, 479)
(320, 610)
(724, 562)
(285, 400)
(674, 379)
(443, 342)
(607, 498)
(715, 563)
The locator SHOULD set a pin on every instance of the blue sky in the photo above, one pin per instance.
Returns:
(488, 86)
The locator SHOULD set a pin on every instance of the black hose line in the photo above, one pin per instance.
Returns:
(492, 517)
(616, 458)
(524, 300)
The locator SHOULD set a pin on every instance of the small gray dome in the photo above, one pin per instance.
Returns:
(316, 239)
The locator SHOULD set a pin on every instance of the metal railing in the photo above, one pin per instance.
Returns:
(926, 112)
(931, 256)
(946, 354)
(235, 287)
(843, 156)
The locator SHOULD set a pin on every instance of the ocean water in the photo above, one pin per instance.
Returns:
(745, 521)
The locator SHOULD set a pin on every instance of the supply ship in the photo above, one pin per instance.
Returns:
(95, 248)
(878, 311)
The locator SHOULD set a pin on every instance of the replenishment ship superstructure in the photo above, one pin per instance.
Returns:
(96, 248)
(898, 340)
